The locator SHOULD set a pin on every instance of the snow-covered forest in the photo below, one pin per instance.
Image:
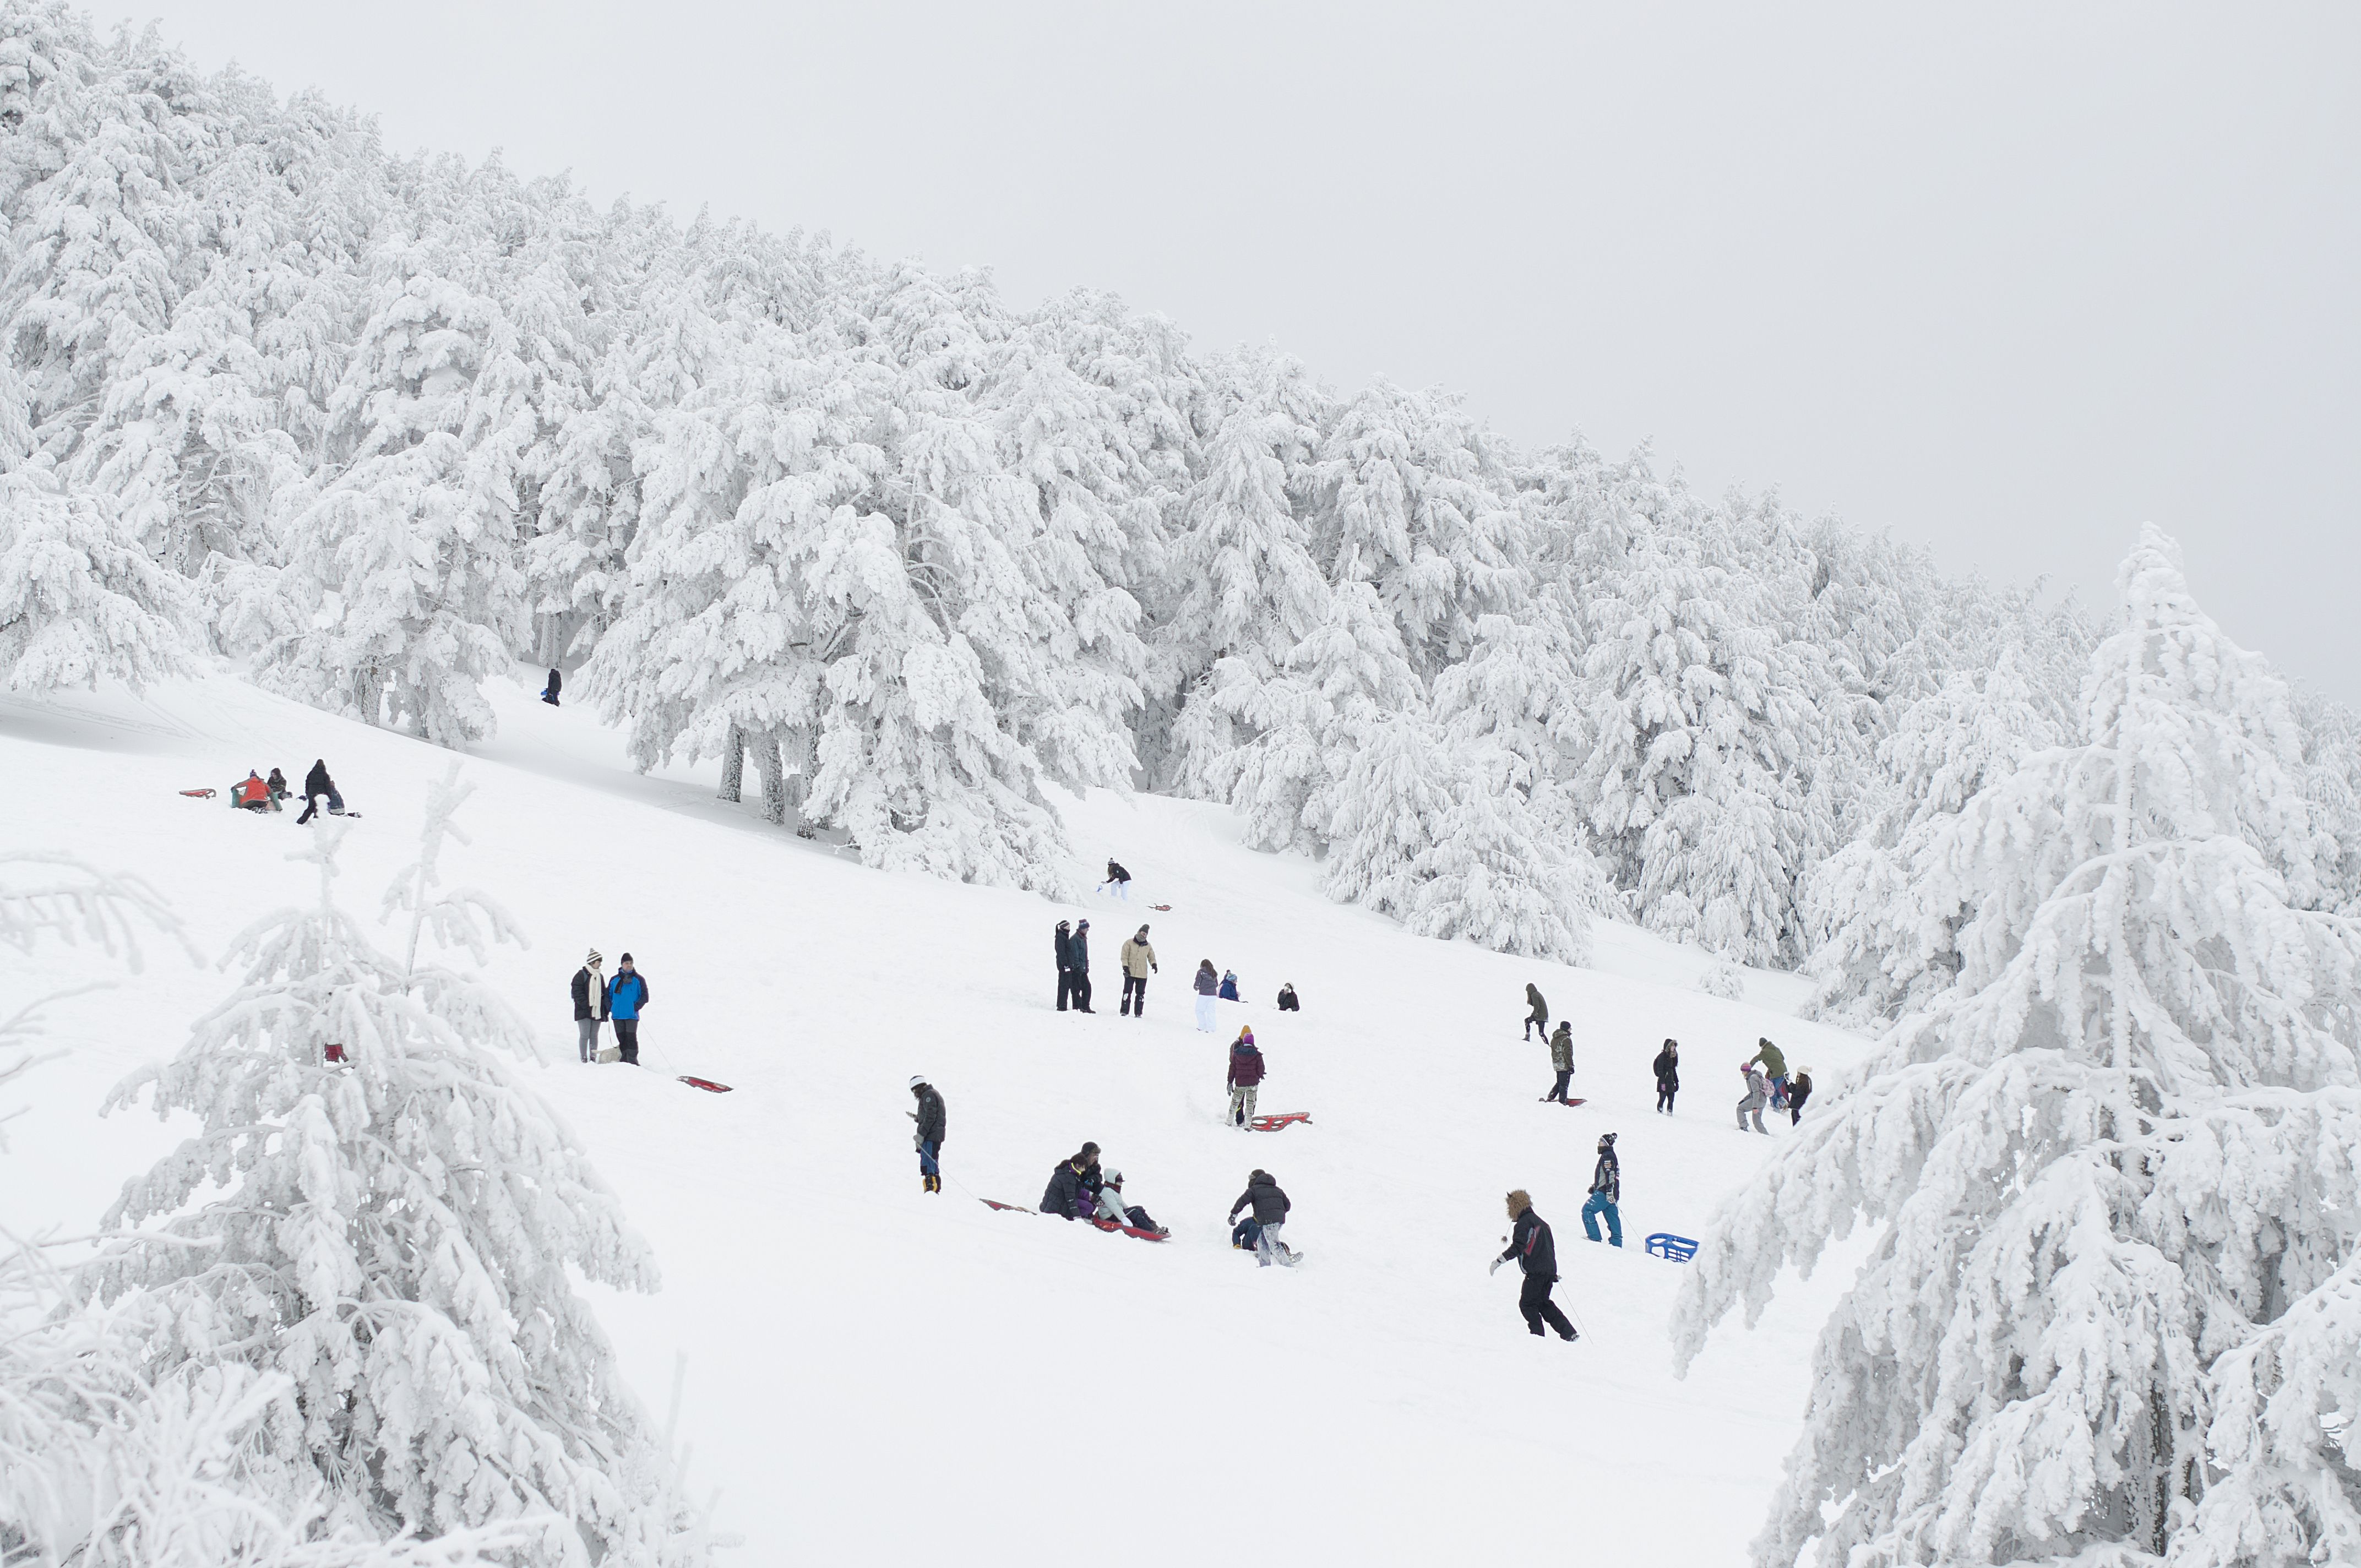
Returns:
(375, 428)
(380, 425)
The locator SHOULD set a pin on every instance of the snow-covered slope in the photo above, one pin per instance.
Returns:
(879, 1375)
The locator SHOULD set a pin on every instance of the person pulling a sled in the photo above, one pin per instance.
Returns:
(1138, 963)
(1063, 1196)
(1112, 1206)
(931, 1125)
(1118, 881)
(1535, 1251)
(1269, 1206)
(317, 783)
(627, 998)
(1245, 1074)
(251, 793)
(589, 1004)
(1606, 1191)
(1539, 1013)
(1561, 1047)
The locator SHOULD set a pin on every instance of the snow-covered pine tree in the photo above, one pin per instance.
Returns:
(1883, 912)
(394, 1234)
(1246, 590)
(2111, 1171)
(79, 601)
(402, 578)
(1699, 717)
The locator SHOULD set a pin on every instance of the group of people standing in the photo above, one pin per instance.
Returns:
(1767, 1083)
(618, 1000)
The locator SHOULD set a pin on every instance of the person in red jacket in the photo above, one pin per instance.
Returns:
(1245, 1072)
(251, 793)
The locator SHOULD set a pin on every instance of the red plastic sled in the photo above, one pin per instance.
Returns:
(705, 1083)
(199, 794)
(1285, 1118)
(1575, 1102)
(1129, 1229)
(1012, 1208)
(1161, 908)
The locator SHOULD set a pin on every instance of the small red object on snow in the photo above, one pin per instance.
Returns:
(200, 793)
(705, 1083)
(334, 1053)
(1285, 1118)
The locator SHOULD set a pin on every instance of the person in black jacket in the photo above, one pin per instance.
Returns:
(1081, 953)
(1118, 881)
(1606, 1191)
(1062, 945)
(1799, 1088)
(932, 1124)
(556, 684)
(1271, 1207)
(1668, 1075)
(1065, 1194)
(589, 1004)
(1535, 1251)
(1287, 1001)
(1539, 1013)
(316, 783)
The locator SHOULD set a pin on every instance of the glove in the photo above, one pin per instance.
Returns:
(1496, 1265)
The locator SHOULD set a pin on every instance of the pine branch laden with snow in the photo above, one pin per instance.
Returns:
(1884, 911)
(394, 1237)
(80, 602)
(2112, 1172)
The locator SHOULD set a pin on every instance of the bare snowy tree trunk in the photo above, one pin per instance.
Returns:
(733, 763)
(774, 780)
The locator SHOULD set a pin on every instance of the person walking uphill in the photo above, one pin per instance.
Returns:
(1206, 983)
(589, 1004)
(1606, 1191)
(1535, 1251)
(1775, 1068)
(1561, 1047)
(1138, 963)
(1539, 1013)
(1757, 1094)
(931, 1125)
(1245, 1074)
(1271, 1207)
(1668, 1075)
(1799, 1088)
(627, 998)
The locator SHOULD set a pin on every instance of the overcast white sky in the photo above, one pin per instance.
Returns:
(2009, 279)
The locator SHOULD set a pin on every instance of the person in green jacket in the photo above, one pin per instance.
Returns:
(1561, 1047)
(1775, 1068)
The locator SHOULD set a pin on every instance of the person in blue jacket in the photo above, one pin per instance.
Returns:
(627, 997)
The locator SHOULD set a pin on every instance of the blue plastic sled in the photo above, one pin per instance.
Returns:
(1679, 1249)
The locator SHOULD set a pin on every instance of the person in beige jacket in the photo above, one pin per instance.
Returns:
(1138, 963)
